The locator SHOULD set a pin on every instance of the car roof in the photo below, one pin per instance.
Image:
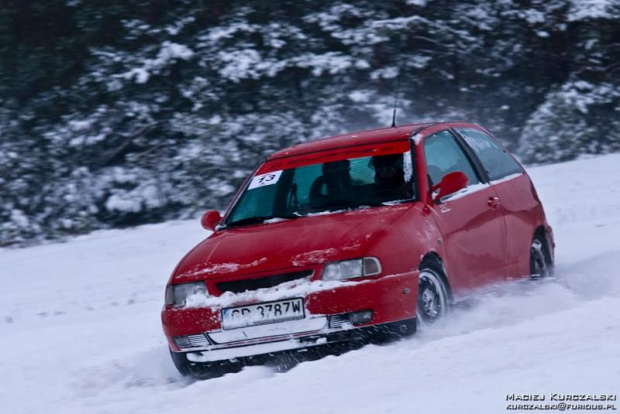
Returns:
(353, 139)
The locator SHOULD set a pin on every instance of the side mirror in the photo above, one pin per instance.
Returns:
(210, 219)
(450, 184)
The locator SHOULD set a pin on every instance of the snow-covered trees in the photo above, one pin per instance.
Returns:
(581, 113)
(114, 113)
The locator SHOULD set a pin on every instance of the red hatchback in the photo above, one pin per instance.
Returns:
(374, 231)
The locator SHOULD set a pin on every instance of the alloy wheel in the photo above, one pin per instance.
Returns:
(432, 297)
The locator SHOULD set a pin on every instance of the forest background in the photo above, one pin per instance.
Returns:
(115, 113)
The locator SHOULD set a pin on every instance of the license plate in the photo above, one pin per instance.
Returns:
(263, 313)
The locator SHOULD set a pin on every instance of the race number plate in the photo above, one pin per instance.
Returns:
(263, 313)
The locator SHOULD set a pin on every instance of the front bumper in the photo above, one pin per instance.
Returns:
(247, 355)
(328, 319)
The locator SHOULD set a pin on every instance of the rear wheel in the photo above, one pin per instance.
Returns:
(541, 265)
(433, 299)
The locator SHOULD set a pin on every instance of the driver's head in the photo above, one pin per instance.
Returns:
(337, 177)
(389, 171)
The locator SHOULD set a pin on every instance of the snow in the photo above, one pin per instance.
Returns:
(592, 9)
(282, 291)
(275, 220)
(330, 62)
(18, 217)
(534, 16)
(421, 3)
(466, 191)
(80, 330)
(360, 96)
(223, 268)
(385, 73)
(507, 178)
(407, 168)
(418, 61)
(168, 54)
(240, 64)
(219, 33)
(313, 256)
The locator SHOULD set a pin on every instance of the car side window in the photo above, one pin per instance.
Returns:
(444, 155)
(495, 160)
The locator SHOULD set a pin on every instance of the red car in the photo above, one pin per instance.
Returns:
(373, 231)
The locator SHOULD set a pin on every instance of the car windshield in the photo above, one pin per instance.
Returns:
(336, 185)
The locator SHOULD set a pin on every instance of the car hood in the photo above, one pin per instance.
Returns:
(286, 245)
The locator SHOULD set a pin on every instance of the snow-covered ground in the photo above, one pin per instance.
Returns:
(80, 329)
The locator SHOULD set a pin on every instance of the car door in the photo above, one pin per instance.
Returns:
(518, 201)
(469, 221)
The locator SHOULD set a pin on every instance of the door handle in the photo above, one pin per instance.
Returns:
(494, 202)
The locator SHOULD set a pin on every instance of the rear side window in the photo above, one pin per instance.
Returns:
(444, 155)
(495, 160)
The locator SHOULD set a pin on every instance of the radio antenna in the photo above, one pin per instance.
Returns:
(396, 99)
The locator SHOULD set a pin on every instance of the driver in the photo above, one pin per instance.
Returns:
(333, 187)
(390, 175)
(337, 178)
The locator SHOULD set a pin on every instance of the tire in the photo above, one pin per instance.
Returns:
(433, 298)
(541, 265)
(202, 371)
(181, 363)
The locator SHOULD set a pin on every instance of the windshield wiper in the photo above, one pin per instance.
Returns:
(261, 219)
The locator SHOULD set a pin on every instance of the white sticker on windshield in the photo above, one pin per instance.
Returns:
(265, 179)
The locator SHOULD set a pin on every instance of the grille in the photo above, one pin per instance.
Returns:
(239, 286)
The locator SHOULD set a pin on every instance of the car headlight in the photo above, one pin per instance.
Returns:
(177, 295)
(349, 269)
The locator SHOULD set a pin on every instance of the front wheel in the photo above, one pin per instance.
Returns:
(433, 300)
(181, 363)
(201, 371)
